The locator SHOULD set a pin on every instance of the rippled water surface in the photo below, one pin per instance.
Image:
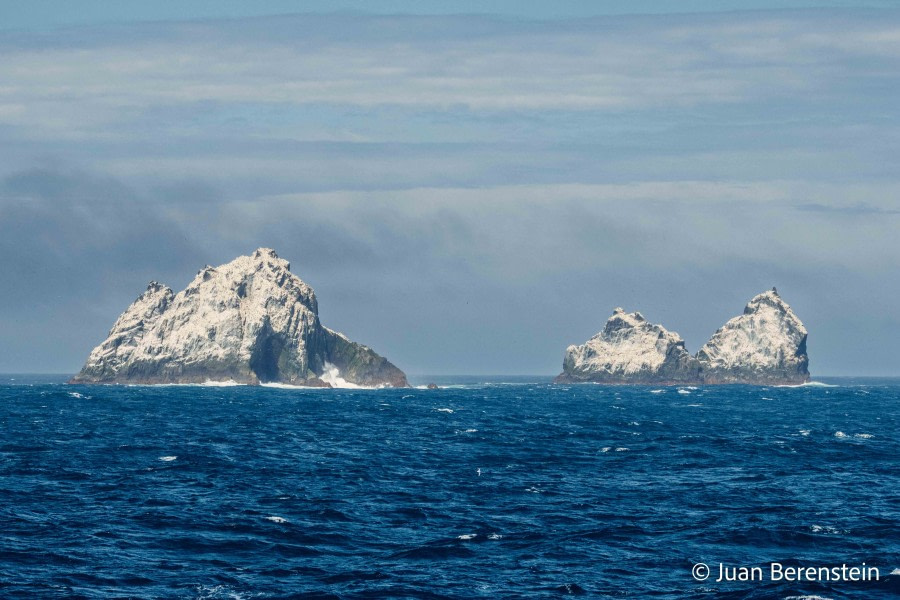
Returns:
(498, 490)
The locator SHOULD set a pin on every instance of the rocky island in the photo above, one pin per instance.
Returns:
(766, 345)
(250, 321)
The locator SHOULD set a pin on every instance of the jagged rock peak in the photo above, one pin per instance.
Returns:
(250, 320)
(630, 349)
(764, 345)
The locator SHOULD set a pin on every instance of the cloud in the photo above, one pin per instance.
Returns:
(860, 209)
(90, 79)
(464, 193)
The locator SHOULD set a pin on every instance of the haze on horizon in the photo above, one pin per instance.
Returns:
(467, 193)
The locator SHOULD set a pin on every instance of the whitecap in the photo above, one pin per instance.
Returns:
(683, 391)
(495, 536)
(693, 405)
(76, 395)
(804, 432)
(444, 410)
(466, 431)
(809, 384)
(826, 529)
(467, 536)
(276, 519)
(656, 391)
(605, 449)
(621, 449)
(806, 598)
(406, 396)
(534, 490)
(840, 434)
(864, 436)
(167, 458)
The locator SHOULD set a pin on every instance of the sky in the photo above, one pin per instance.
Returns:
(469, 187)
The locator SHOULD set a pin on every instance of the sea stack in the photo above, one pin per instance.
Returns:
(765, 345)
(630, 350)
(249, 321)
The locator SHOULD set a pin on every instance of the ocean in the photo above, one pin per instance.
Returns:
(486, 488)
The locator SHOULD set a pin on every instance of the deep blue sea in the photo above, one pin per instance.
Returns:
(510, 488)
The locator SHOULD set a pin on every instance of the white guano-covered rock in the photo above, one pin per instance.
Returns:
(764, 345)
(630, 349)
(248, 321)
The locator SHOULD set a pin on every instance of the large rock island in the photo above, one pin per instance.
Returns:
(766, 345)
(249, 321)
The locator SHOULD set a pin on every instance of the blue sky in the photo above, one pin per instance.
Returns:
(467, 192)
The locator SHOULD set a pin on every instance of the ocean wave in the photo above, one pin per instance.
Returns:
(813, 384)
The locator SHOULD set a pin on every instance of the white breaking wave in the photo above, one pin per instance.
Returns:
(288, 386)
(332, 375)
(167, 458)
(276, 519)
(826, 529)
(207, 383)
(840, 434)
(810, 384)
(228, 383)
(444, 410)
(467, 536)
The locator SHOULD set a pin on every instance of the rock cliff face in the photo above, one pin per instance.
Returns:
(249, 321)
(630, 349)
(766, 345)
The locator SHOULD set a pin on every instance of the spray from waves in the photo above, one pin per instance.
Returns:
(332, 375)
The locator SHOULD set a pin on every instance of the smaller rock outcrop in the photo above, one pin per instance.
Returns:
(765, 345)
(630, 350)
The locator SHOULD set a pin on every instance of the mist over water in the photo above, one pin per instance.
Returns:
(510, 488)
